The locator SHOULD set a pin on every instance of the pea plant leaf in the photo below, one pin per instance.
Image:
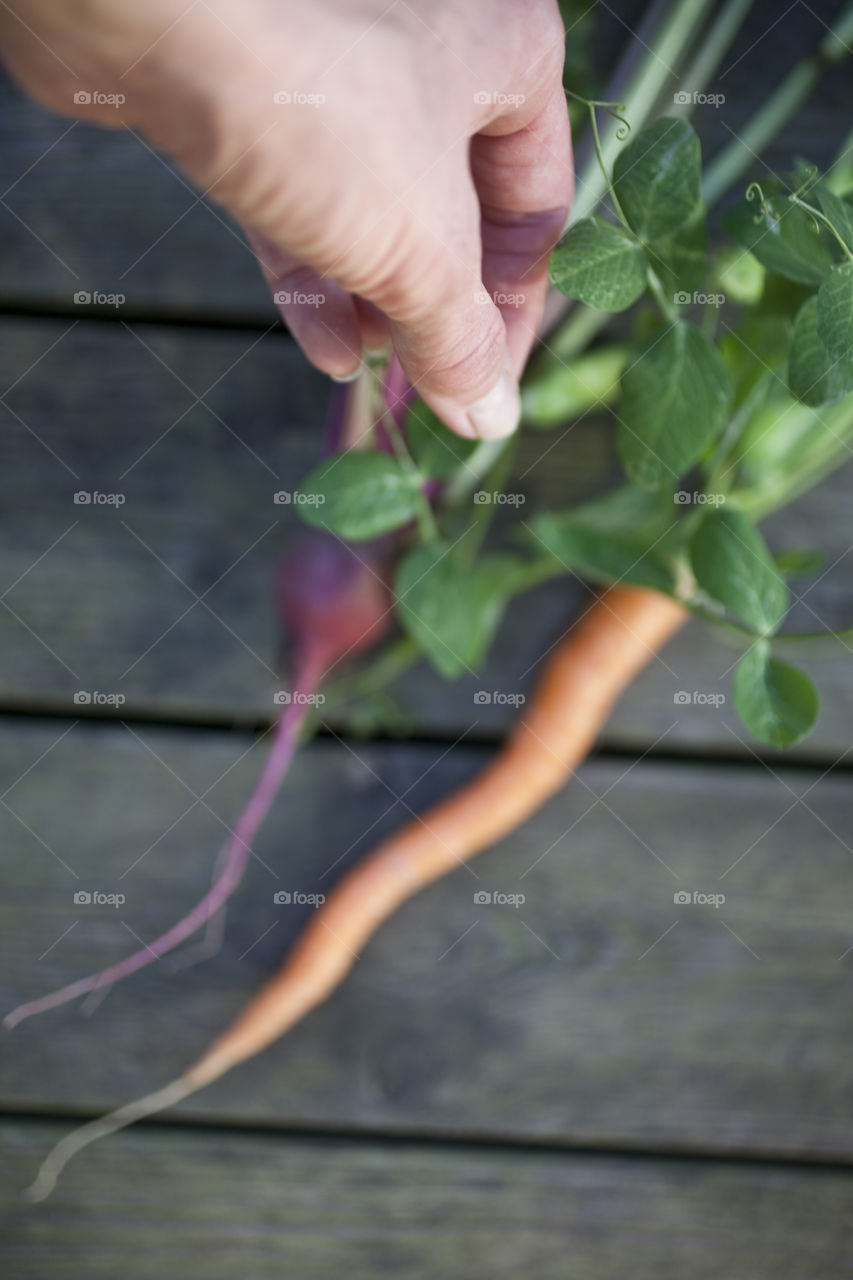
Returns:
(782, 236)
(656, 178)
(733, 564)
(449, 608)
(599, 264)
(814, 376)
(359, 494)
(437, 451)
(611, 557)
(681, 258)
(676, 397)
(834, 314)
(777, 702)
(838, 210)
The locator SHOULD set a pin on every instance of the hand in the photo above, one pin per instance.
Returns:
(410, 165)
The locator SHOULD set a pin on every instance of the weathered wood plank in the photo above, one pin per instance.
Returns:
(92, 209)
(166, 599)
(158, 1203)
(598, 1011)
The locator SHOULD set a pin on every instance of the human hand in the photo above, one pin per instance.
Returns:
(414, 171)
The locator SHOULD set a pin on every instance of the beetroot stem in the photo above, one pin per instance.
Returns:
(237, 852)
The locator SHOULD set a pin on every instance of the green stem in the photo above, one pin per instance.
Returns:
(401, 654)
(481, 461)
(668, 308)
(715, 44)
(822, 218)
(734, 159)
(677, 31)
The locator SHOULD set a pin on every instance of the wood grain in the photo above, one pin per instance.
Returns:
(162, 1203)
(85, 208)
(179, 576)
(598, 1011)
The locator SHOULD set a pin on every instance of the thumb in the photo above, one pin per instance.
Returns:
(449, 336)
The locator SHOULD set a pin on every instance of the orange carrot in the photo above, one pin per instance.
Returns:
(582, 678)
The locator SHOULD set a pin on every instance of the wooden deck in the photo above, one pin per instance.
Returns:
(597, 1084)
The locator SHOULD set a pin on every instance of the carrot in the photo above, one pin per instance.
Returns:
(582, 678)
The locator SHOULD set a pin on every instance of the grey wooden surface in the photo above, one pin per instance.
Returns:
(217, 1203)
(606, 1011)
(600, 1082)
(184, 566)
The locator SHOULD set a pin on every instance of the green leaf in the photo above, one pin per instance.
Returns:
(359, 494)
(798, 561)
(450, 608)
(814, 376)
(676, 397)
(835, 312)
(436, 449)
(739, 274)
(777, 702)
(656, 178)
(783, 238)
(681, 258)
(571, 388)
(604, 557)
(839, 212)
(733, 564)
(599, 264)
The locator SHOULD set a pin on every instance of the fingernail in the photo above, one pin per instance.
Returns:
(497, 413)
(348, 377)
